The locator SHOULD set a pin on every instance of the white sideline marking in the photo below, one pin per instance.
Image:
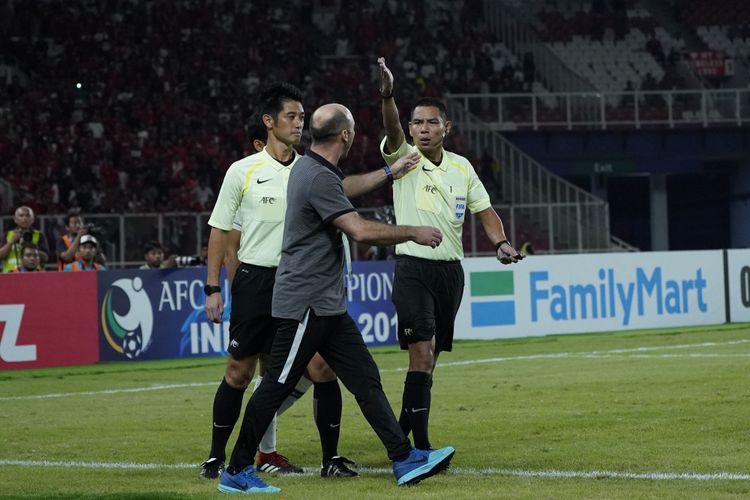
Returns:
(107, 391)
(591, 354)
(460, 471)
(562, 355)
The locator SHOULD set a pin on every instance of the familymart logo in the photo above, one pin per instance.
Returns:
(492, 298)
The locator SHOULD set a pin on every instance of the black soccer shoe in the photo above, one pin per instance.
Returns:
(338, 467)
(211, 468)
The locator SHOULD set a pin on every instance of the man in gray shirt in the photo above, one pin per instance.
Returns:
(308, 301)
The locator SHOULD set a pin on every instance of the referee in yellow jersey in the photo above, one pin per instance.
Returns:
(429, 282)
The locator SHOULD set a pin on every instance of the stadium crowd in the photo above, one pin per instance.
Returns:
(135, 106)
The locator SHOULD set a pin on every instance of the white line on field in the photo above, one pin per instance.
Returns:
(461, 471)
(562, 355)
(585, 354)
(107, 391)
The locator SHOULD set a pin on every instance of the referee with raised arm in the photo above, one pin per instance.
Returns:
(309, 302)
(428, 282)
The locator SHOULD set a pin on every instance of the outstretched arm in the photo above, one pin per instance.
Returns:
(393, 131)
(357, 185)
(493, 226)
(375, 233)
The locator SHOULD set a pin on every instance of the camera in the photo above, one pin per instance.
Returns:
(189, 260)
(27, 236)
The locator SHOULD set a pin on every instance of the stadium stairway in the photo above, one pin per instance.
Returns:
(568, 218)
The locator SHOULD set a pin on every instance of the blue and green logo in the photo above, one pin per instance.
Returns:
(129, 333)
(492, 298)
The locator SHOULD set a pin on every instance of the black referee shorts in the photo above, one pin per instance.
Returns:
(251, 326)
(427, 294)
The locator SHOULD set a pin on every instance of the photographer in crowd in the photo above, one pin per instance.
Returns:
(29, 259)
(153, 254)
(68, 244)
(87, 251)
(11, 252)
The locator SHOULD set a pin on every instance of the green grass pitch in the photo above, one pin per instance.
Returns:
(648, 414)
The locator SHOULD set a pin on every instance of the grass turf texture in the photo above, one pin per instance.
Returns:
(629, 402)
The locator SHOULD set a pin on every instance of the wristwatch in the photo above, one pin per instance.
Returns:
(500, 243)
(211, 289)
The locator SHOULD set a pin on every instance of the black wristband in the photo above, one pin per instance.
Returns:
(211, 289)
(387, 96)
(389, 173)
(500, 243)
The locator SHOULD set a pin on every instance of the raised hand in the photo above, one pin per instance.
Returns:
(386, 79)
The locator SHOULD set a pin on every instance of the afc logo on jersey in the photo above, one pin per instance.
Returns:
(267, 200)
(428, 188)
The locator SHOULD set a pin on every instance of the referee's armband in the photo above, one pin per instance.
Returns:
(389, 173)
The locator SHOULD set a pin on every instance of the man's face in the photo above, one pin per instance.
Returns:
(75, 224)
(30, 259)
(87, 251)
(154, 257)
(287, 125)
(24, 217)
(427, 128)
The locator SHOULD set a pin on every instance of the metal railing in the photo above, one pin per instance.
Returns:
(570, 218)
(122, 236)
(603, 110)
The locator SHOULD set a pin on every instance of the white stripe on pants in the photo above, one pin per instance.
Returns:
(295, 348)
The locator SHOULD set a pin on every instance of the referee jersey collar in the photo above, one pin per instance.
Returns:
(333, 168)
(276, 164)
(443, 165)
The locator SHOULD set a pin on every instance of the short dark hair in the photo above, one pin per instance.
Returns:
(71, 214)
(272, 98)
(152, 245)
(256, 129)
(431, 102)
(326, 131)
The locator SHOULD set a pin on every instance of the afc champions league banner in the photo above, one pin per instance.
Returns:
(160, 314)
(368, 300)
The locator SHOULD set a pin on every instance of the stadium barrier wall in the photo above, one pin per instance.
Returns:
(47, 319)
(592, 293)
(55, 319)
(738, 285)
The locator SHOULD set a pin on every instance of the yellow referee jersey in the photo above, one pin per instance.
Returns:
(254, 192)
(438, 196)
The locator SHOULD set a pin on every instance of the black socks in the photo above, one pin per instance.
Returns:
(415, 408)
(227, 408)
(327, 413)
